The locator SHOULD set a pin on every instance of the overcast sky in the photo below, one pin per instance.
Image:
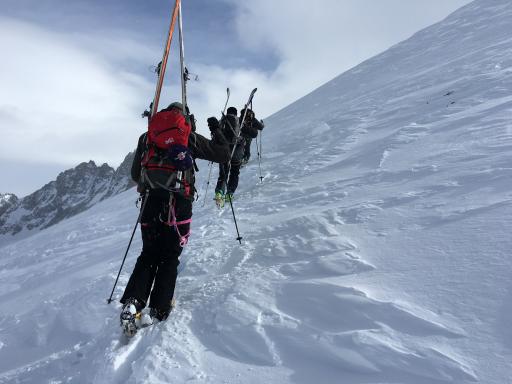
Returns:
(76, 75)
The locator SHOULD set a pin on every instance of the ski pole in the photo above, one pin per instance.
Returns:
(258, 149)
(239, 238)
(259, 155)
(146, 195)
(207, 183)
(261, 142)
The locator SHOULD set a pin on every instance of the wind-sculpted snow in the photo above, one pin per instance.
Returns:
(376, 250)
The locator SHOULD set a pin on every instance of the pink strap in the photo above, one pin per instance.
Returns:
(171, 221)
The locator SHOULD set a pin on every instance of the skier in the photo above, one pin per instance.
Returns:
(250, 125)
(229, 172)
(155, 272)
(227, 181)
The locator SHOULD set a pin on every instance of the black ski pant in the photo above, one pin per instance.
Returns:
(247, 149)
(156, 269)
(232, 178)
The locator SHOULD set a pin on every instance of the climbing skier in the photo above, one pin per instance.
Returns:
(165, 221)
(227, 181)
(251, 126)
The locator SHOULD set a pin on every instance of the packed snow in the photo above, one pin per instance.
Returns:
(376, 249)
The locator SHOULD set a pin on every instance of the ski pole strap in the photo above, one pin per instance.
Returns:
(172, 222)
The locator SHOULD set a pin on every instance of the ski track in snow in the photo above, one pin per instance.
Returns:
(366, 257)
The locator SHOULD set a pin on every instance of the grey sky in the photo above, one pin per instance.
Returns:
(76, 75)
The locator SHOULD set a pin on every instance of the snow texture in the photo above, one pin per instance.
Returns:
(376, 249)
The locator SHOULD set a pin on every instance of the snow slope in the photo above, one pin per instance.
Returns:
(377, 249)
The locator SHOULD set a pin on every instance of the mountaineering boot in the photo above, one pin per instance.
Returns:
(219, 199)
(161, 314)
(158, 315)
(129, 316)
(144, 320)
(228, 197)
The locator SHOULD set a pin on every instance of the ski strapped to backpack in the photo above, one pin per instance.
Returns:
(162, 66)
(249, 101)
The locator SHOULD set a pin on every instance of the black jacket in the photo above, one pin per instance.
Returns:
(230, 128)
(251, 127)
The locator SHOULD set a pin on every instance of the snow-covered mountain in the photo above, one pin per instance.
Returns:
(74, 191)
(376, 250)
(7, 201)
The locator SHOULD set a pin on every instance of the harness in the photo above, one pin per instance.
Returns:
(172, 221)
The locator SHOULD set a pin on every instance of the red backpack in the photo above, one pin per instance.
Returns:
(167, 128)
(167, 158)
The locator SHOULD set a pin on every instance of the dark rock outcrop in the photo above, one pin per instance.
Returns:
(74, 191)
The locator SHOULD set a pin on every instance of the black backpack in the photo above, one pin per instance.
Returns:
(230, 128)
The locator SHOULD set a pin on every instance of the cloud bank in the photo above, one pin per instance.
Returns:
(70, 96)
(61, 103)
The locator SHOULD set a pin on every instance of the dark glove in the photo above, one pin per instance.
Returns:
(213, 124)
(258, 124)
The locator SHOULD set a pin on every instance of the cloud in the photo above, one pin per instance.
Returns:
(309, 46)
(72, 97)
(63, 103)
(68, 98)
(69, 95)
(314, 42)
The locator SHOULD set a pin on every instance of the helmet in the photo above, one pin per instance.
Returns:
(231, 111)
(176, 105)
